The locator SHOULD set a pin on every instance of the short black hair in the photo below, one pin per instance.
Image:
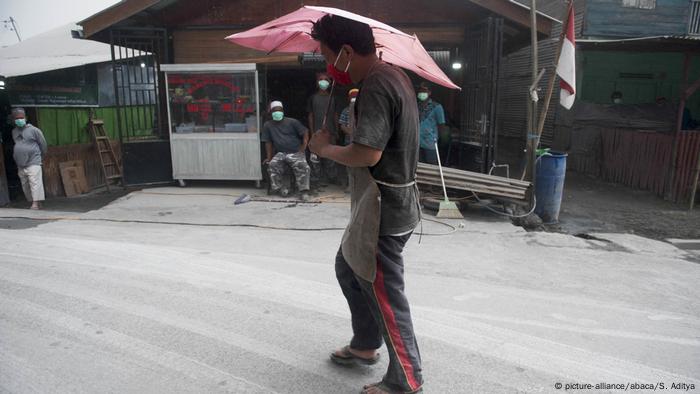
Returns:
(424, 87)
(335, 31)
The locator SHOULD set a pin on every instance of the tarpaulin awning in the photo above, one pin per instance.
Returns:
(53, 50)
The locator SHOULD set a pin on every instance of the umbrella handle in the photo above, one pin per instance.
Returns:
(328, 107)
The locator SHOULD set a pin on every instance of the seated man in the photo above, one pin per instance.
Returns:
(288, 137)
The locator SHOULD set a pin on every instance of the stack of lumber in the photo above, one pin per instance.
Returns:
(428, 174)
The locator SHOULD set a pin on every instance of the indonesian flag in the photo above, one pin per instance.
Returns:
(566, 68)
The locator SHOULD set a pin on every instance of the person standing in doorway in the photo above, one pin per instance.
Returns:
(30, 149)
(382, 158)
(616, 97)
(432, 116)
(324, 170)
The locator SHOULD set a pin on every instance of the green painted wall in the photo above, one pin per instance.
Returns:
(66, 126)
(601, 76)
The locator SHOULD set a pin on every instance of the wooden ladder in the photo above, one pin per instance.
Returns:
(108, 160)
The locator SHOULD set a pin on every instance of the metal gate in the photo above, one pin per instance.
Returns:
(137, 54)
(482, 55)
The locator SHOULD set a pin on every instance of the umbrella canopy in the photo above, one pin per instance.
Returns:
(292, 33)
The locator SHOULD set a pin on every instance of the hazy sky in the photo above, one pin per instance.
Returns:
(37, 16)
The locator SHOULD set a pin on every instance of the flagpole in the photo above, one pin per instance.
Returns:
(553, 76)
(531, 103)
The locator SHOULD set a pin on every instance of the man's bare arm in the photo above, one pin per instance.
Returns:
(268, 151)
(353, 155)
(305, 142)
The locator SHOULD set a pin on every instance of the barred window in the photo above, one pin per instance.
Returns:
(694, 18)
(643, 4)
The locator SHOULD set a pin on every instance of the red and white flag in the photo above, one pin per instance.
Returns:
(566, 68)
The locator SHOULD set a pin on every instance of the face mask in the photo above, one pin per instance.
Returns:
(323, 84)
(422, 96)
(341, 77)
(352, 100)
(20, 122)
(277, 116)
(617, 101)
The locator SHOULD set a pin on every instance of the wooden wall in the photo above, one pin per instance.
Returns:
(199, 37)
(605, 18)
(246, 13)
(53, 185)
(514, 80)
(209, 46)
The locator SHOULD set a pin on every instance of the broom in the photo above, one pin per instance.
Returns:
(448, 209)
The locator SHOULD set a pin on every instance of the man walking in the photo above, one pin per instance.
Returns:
(432, 116)
(382, 159)
(30, 148)
(288, 137)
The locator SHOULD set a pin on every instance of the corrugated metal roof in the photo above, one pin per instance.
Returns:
(637, 39)
(667, 43)
(515, 79)
(538, 12)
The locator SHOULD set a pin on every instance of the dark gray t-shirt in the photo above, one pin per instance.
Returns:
(318, 103)
(286, 135)
(387, 119)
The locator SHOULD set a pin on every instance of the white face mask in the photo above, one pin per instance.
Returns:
(352, 100)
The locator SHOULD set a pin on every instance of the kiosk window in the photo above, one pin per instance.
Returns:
(212, 103)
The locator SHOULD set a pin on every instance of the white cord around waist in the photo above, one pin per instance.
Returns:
(395, 184)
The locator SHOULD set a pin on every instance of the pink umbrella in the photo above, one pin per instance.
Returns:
(292, 33)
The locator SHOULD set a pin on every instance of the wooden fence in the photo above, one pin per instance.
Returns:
(636, 158)
(53, 185)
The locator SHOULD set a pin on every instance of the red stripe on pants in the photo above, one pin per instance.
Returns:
(392, 327)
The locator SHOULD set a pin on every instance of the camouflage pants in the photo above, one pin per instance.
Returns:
(297, 161)
(324, 171)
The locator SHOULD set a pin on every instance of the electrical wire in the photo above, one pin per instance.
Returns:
(453, 229)
(441, 197)
(438, 195)
(534, 204)
(329, 199)
(78, 219)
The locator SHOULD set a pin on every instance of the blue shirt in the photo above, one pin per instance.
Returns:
(431, 115)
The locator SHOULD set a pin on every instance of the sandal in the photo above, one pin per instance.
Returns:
(345, 357)
(386, 389)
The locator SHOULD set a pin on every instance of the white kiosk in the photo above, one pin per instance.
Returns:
(214, 121)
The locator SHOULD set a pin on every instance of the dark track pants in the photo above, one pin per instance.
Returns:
(380, 311)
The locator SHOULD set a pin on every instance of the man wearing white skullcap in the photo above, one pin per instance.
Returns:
(288, 138)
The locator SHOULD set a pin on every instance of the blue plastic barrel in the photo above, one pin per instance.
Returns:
(549, 185)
